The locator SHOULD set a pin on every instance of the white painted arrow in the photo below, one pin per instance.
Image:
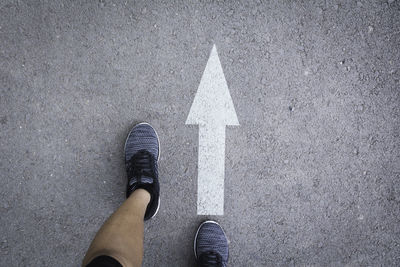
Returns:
(212, 110)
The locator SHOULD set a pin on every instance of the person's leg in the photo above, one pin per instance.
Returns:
(121, 236)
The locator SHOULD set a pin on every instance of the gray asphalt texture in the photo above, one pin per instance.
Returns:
(312, 173)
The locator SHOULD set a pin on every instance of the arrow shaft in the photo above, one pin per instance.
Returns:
(211, 170)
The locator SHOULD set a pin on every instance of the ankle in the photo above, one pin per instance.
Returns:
(141, 195)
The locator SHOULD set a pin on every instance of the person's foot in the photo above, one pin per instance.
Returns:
(211, 245)
(141, 156)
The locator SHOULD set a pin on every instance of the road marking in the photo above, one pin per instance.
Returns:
(212, 110)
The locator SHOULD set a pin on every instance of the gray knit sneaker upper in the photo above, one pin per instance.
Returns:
(141, 156)
(211, 245)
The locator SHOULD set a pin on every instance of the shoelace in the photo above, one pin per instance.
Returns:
(210, 258)
(141, 164)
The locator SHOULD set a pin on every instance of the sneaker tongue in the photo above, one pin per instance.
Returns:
(141, 168)
(144, 179)
(210, 258)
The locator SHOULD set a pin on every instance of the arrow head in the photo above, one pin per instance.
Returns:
(213, 103)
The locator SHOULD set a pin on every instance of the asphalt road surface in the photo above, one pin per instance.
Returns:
(311, 173)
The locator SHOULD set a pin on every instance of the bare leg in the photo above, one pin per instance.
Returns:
(121, 236)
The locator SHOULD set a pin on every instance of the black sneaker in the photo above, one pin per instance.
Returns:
(211, 245)
(141, 156)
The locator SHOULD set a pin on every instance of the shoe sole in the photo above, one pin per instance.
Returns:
(158, 156)
(198, 229)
